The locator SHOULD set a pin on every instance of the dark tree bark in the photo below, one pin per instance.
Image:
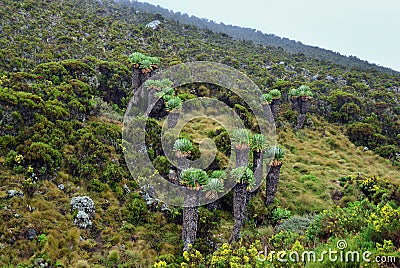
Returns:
(239, 210)
(242, 157)
(239, 197)
(190, 218)
(213, 205)
(272, 183)
(301, 118)
(172, 119)
(302, 106)
(182, 164)
(136, 79)
(275, 107)
(257, 170)
(143, 76)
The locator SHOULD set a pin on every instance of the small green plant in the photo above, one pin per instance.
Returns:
(183, 147)
(136, 58)
(193, 177)
(42, 238)
(240, 138)
(280, 214)
(266, 98)
(302, 91)
(144, 62)
(275, 94)
(218, 174)
(258, 142)
(174, 104)
(213, 187)
(243, 175)
(276, 153)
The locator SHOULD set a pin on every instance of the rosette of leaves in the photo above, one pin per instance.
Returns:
(183, 147)
(174, 104)
(243, 175)
(277, 154)
(146, 65)
(166, 93)
(275, 94)
(136, 58)
(194, 178)
(266, 99)
(258, 142)
(215, 184)
(240, 138)
(303, 92)
(155, 62)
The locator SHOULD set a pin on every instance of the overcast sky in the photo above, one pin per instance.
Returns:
(369, 30)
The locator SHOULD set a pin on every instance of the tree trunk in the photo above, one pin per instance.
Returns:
(305, 104)
(302, 106)
(272, 183)
(275, 107)
(268, 112)
(182, 165)
(300, 121)
(296, 104)
(143, 76)
(258, 171)
(190, 218)
(172, 119)
(213, 205)
(242, 157)
(239, 197)
(136, 79)
(239, 210)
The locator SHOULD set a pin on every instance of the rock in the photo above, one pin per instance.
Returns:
(13, 193)
(61, 187)
(330, 78)
(154, 24)
(31, 209)
(30, 234)
(126, 189)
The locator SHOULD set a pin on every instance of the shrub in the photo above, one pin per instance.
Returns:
(279, 214)
(136, 211)
(82, 220)
(296, 224)
(82, 203)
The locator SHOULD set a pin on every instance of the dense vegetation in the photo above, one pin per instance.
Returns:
(240, 33)
(65, 81)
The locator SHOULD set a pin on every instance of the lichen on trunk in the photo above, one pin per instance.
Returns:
(272, 183)
(239, 210)
(190, 218)
(275, 107)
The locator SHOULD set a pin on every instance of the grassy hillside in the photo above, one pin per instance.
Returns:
(65, 81)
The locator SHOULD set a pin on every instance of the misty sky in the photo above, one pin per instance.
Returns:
(367, 29)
